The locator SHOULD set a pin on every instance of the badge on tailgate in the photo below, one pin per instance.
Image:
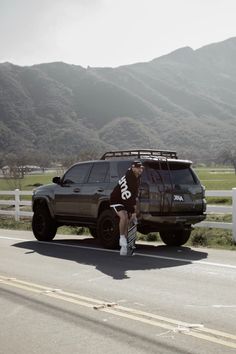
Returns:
(178, 198)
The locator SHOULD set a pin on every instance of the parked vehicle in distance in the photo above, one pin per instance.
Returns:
(171, 198)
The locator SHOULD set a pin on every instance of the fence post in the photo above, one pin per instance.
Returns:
(234, 215)
(17, 204)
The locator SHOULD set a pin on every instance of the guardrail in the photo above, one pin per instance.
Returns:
(17, 205)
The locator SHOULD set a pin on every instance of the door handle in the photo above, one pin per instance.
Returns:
(76, 190)
(100, 190)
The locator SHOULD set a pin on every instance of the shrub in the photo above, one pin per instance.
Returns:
(198, 238)
(151, 237)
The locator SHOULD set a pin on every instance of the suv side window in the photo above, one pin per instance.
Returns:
(77, 173)
(99, 173)
(123, 166)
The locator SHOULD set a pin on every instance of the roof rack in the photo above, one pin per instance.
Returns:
(140, 153)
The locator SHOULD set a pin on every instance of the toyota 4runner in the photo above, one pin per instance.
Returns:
(171, 198)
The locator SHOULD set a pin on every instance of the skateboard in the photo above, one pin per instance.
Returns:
(132, 232)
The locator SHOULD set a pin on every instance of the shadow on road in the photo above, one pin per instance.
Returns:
(109, 262)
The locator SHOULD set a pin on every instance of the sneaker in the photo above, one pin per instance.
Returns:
(123, 241)
(123, 251)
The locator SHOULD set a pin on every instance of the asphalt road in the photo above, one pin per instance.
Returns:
(71, 296)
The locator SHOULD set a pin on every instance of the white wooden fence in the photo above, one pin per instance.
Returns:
(17, 204)
(222, 209)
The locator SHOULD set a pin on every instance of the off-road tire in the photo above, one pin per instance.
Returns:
(43, 226)
(175, 237)
(108, 229)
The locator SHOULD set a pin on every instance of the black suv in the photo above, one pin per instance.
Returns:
(171, 198)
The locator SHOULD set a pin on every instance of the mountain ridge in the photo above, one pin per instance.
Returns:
(184, 101)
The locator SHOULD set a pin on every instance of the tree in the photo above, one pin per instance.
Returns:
(228, 155)
(14, 167)
(89, 154)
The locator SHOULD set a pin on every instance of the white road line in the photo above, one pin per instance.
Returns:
(185, 260)
(181, 260)
(225, 306)
(13, 238)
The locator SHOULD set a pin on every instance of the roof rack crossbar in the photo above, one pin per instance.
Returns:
(140, 153)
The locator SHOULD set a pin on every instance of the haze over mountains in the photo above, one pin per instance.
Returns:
(184, 101)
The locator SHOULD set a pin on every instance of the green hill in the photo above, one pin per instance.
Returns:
(185, 100)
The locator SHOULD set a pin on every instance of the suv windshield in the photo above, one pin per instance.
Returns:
(161, 172)
(175, 173)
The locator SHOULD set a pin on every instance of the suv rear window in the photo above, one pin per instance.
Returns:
(175, 173)
(161, 172)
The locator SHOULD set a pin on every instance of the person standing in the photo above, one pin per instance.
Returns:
(123, 200)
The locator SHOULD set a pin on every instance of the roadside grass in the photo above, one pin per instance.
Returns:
(9, 223)
(200, 237)
(212, 238)
(219, 200)
(25, 224)
(219, 217)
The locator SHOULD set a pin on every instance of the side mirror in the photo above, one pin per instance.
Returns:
(56, 180)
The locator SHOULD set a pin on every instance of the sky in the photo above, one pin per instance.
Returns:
(109, 33)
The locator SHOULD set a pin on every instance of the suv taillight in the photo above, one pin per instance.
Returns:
(203, 191)
(204, 204)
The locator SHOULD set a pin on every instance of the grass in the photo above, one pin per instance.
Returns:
(25, 224)
(219, 217)
(29, 182)
(216, 178)
(8, 223)
(200, 237)
(212, 238)
(219, 200)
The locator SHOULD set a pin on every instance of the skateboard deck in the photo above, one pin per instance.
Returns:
(132, 232)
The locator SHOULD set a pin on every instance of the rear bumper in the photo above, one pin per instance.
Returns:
(146, 218)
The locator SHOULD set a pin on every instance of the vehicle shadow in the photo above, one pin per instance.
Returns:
(109, 262)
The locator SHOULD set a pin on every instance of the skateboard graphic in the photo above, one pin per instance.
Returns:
(132, 232)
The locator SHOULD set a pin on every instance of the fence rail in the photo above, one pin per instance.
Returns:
(221, 209)
(17, 204)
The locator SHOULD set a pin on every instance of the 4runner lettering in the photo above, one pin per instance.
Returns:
(178, 198)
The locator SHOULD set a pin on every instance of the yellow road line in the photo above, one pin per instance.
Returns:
(194, 330)
(211, 339)
(179, 323)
